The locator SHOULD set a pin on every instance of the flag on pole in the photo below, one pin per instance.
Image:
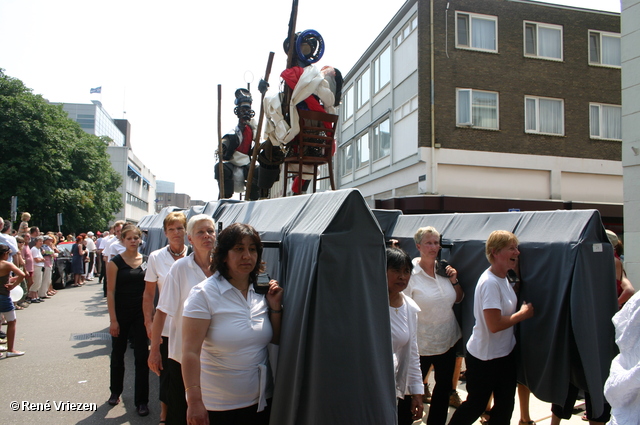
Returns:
(96, 90)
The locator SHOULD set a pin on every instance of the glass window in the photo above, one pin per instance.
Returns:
(347, 159)
(382, 70)
(363, 88)
(604, 48)
(605, 121)
(477, 108)
(362, 151)
(347, 103)
(381, 140)
(544, 115)
(543, 40)
(406, 31)
(478, 32)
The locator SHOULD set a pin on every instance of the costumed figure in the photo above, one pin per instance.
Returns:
(237, 148)
(311, 89)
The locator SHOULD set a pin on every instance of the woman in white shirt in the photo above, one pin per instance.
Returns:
(403, 313)
(225, 332)
(438, 329)
(491, 365)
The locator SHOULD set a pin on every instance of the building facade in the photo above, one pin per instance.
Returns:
(631, 136)
(486, 99)
(138, 182)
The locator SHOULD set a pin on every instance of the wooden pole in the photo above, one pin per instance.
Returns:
(290, 59)
(221, 165)
(256, 139)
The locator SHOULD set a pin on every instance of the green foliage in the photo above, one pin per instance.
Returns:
(52, 165)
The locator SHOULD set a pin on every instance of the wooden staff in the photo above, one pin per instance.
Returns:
(221, 169)
(290, 59)
(256, 139)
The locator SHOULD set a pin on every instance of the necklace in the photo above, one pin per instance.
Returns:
(184, 249)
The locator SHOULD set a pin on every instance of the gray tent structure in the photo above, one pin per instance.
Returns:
(568, 274)
(335, 362)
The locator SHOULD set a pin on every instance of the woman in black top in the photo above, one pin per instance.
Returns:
(125, 288)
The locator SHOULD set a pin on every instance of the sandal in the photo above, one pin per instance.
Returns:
(17, 307)
(527, 423)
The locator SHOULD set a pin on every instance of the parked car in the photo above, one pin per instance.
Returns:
(61, 273)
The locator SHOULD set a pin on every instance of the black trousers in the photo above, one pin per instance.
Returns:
(564, 412)
(244, 416)
(497, 376)
(176, 400)
(443, 366)
(131, 322)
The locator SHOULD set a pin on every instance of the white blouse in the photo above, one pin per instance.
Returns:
(438, 329)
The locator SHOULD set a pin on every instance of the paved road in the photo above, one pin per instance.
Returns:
(67, 360)
(61, 366)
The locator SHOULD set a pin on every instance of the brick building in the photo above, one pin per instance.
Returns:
(516, 104)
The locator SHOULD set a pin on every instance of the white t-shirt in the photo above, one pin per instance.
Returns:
(183, 275)
(158, 265)
(106, 242)
(492, 292)
(91, 245)
(37, 253)
(234, 353)
(114, 249)
(438, 329)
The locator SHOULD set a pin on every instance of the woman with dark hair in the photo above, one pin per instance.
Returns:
(125, 287)
(225, 332)
(403, 312)
(77, 261)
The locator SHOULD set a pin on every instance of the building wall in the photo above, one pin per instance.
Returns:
(513, 75)
(466, 161)
(631, 136)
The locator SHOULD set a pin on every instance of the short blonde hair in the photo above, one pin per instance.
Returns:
(130, 227)
(173, 217)
(498, 240)
(417, 238)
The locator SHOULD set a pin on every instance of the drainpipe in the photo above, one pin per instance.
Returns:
(434, 171)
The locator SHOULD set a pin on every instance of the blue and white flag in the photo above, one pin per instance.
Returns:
(96, 90)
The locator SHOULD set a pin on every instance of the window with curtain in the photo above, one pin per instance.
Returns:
(346, 163)
(543, 40)
(362, 151)
(604, 48)
(605, 121)
(477, 108)
(382, 70)
(363, 87)
(381, 140)
(478, 32)
(544, 115)
(347, 103)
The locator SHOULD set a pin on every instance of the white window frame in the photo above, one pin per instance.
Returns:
(599, 59)
(360, 102)
(377, 83)
(600, 107)
(348, 103)
(358, 162)
(375, 140)
(406, 31)
(459, 122)
(470, 17)
(343, 159)
(537, 115)
(537, 54)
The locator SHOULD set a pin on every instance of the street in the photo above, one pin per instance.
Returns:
(67, 345)
(66, 366)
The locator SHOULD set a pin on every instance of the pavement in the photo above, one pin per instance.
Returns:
(67, 346)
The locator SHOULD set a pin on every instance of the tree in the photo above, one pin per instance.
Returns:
(52, 165)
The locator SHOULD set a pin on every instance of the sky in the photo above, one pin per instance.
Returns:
(159, 63)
